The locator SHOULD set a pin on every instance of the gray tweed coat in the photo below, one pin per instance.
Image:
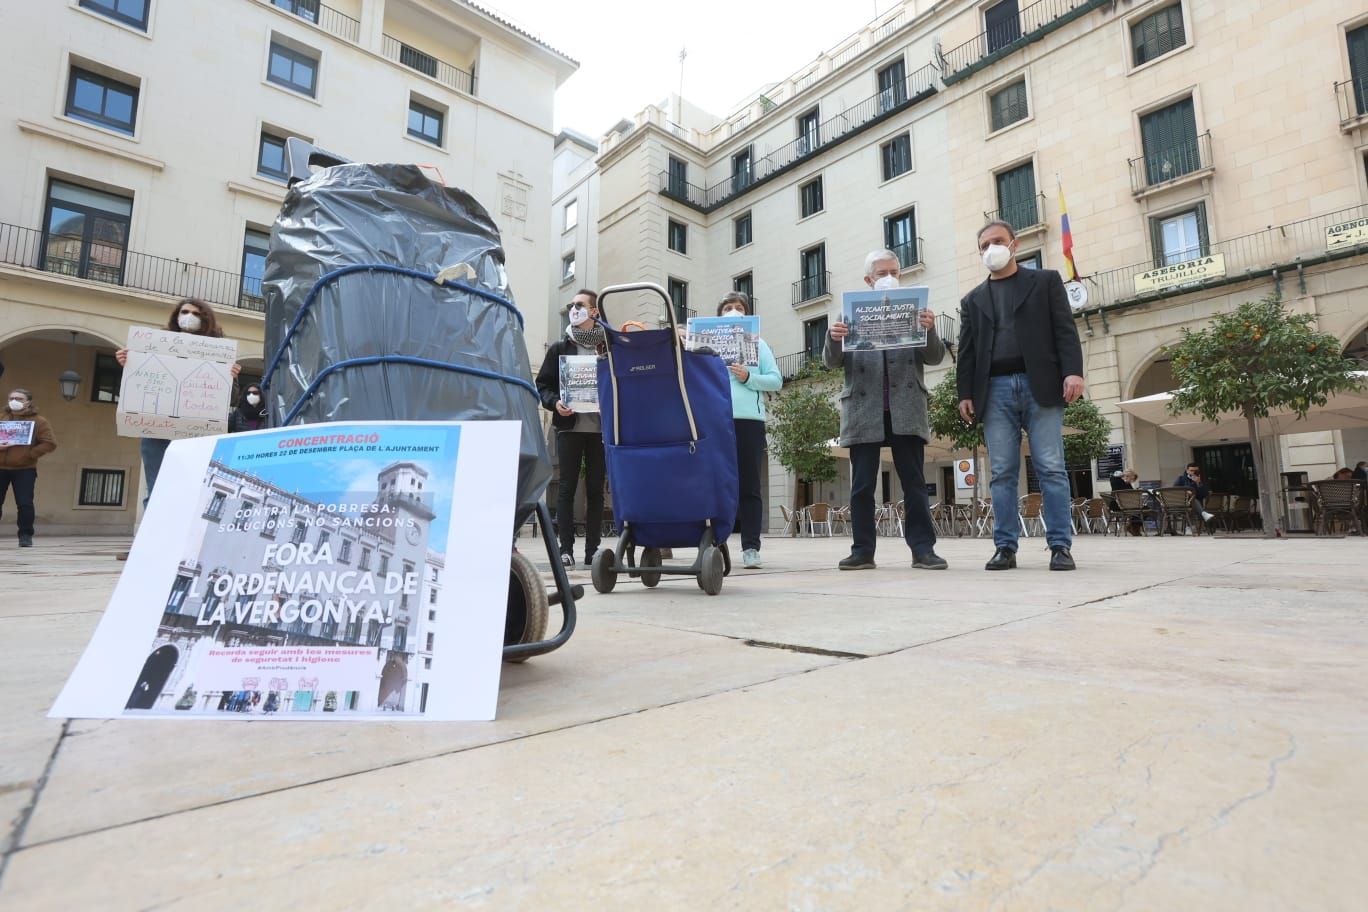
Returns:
(862, 395)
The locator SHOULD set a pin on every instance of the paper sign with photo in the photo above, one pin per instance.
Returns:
(736, 340)
(882, 320)
(579, 382)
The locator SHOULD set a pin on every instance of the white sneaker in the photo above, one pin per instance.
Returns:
(1208, 517)
(750, 559)
(567, 559)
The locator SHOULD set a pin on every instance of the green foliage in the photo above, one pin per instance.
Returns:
(1093, 432)
(802, 419)
(946, 423)
(1258, 358)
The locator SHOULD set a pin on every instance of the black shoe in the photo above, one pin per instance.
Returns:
(588, 558)
(1061, 559)
(929, 560)
(26, 541)
(1003, 559)
(856, 562)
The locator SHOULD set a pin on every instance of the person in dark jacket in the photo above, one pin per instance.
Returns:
(19, 462)
(1020, 363)
(250, 414)
(1192, 478)
(579, 435)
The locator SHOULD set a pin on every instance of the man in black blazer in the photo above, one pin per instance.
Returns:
(1020, 363)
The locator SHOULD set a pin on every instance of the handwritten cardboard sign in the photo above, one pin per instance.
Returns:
(175, 385)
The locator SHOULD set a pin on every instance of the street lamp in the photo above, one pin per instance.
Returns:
(70, 381)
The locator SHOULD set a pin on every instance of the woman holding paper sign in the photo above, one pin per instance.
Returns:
(748, 388)
(19, 461)
(196, 317)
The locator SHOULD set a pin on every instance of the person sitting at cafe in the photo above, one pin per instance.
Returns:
(1127, 480)
(1344, 474)
(1192, 478)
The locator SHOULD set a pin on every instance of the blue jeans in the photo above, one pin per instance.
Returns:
(1011, 409)
(153, 451)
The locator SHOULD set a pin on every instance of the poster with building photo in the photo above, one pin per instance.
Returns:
(175, 385)
(318, 572)
(736, 340)
(16, 433)
(579, 382)
(882, 320)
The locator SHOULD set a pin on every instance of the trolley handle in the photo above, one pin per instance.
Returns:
(302, 155)
(638, 286)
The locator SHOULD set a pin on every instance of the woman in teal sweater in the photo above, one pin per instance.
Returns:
(748, 388)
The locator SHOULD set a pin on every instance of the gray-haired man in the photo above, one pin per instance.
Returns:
(883, 404)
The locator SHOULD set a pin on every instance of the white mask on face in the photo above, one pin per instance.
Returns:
(578, 314)
(996, 257)
(188, 322)
(886, 283)
(253, 399)
(733, 312)
(18, 405)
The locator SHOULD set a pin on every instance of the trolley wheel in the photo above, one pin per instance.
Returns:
(650, 557)
(710, 570)
(603, 571)
(527, 605)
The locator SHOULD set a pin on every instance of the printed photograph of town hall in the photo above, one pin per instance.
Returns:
(300, 552)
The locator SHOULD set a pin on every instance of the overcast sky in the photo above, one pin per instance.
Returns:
(629, 52)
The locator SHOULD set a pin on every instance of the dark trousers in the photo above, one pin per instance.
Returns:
(23, 482)
(908, 458)
(153, 452)
(576, 450)
(750, 460)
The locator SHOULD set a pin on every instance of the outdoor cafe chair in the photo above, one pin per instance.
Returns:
(1338, 500)
(1078, 513)
(1031, 517)
(1134, 508)
(840, 519)
(818, 514)
(793, 522)
(1095, 516)
(1176, 509)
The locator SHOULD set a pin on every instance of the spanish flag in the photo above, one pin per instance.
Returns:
(1066, 236)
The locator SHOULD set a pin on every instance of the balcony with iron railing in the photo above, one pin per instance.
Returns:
(811, 288)
(449, 75)
(1160, 167)
(332, 21)
(1030, 24)
(909, 254)
(1024, 216)
(112, 265)
(1352, 97)
(913, 89)
(1288, 248)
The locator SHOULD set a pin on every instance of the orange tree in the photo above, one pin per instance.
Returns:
(1254, 360)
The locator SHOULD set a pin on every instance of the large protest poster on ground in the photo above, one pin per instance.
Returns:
(882, 320)
(321, 572)
(175, 385)
(736, 340)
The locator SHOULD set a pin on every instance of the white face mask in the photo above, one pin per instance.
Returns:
(886, 283)
(18, 405)
(253, 399)
(733, 312)
(188, 322)
(578, 314)
(996, 257)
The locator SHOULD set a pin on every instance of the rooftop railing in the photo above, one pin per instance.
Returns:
(449, 75)
(912, 89)
(1030, 24)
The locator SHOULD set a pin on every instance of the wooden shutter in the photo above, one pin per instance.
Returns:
(1203, 236)
(1358, 66)
(1016, 197)
(1169, 136)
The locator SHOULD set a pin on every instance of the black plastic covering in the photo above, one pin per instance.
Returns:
(395, 216)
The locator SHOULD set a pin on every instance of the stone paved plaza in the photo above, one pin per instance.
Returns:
(1179, 725)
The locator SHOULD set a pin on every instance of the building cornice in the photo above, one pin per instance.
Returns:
(71, 139)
